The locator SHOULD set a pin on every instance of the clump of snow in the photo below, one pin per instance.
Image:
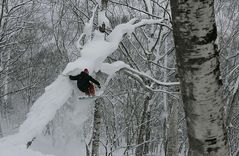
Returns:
(44, 109)
(95, 52)
(117, 34)
(81, 111)
(92, 56)
(113, 68)
(89, 26)
(103, 19)
(164, 115)
(87, 31)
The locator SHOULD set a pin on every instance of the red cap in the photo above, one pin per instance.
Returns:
(86, 70)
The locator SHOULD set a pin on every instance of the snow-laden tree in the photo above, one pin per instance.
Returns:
(139, 115)
(195, 35)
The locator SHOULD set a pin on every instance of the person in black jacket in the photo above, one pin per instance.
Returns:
(84, 82)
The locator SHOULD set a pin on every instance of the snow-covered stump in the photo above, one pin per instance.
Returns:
(197, 55)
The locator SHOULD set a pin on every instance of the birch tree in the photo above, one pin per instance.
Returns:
(99, 101)
(96, 128)
(197, 56)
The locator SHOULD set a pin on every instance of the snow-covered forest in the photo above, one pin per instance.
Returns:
(169, 77)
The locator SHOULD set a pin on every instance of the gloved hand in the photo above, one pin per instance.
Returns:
(99, 86)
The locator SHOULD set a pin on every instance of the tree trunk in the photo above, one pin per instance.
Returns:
(197, 56)
(1, 133)
(99, 101)
(172, 136)
(147, 132)
(96, 128)
(142, 131)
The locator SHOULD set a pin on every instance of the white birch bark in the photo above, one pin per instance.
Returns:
(96, 128)
(198, 65)
(99, 101)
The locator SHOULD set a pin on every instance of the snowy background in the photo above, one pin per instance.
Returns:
(42, 42)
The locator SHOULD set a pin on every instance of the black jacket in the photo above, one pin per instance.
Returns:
(83, 81)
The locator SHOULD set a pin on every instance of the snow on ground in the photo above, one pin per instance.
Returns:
(40, 114)
(20, 151)
(44, 109)
(73, 148)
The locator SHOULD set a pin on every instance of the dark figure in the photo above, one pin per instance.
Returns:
(83, 82)
(29, 143)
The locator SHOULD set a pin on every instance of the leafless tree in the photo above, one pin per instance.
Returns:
(197, 54)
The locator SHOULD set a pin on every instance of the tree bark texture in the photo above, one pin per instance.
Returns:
(96, 128)
(147, 132)
(197, 57)
(172, 136)
(142, 131)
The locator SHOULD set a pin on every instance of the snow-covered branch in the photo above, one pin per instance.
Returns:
(111, 69)
(151, 78)
(117, 34)
(98, 49)
(89, 25)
